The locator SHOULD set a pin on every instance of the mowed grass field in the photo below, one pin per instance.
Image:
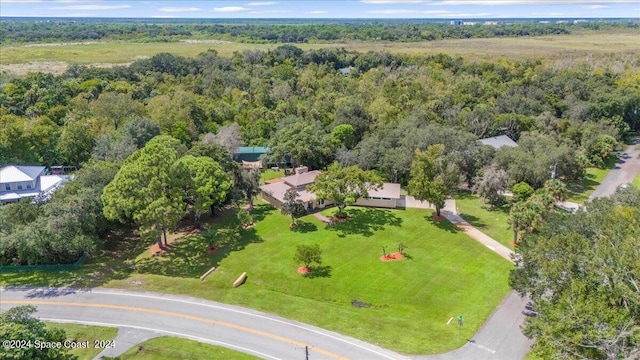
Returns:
(491, 221)
(82, 333)
(615, 44)
(170, 348)
(402, 305)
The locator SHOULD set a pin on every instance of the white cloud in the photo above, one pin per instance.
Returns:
(18, 1)
(597, 7)
(90, 7)
(261, 3)
(386, 2)
(317, 12)
(231, 9)
(279, 11)
(178, 9)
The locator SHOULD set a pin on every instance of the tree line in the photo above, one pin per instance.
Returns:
(274, 31)
(302, 108)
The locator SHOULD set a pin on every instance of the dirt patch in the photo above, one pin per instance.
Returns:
(48, 67)
(212, 250)
(359, 304)
(392, 257)
(340, 219)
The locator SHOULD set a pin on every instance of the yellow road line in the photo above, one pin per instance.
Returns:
(175, 314)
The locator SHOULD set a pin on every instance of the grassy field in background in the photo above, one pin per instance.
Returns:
(407, 302)
(614, 44)
(81, 333)
(170, 348)
(492, 222)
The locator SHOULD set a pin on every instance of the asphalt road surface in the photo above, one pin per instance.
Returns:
(626, 169)
(146, 315)
(263, 335)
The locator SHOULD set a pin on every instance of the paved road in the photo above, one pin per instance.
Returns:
(140, 316)
(263, 335)
(624, 172)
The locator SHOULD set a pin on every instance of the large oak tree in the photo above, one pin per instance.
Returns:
(433, 177)
(344, 185)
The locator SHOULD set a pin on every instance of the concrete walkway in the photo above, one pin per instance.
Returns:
(450, 212)
(125, 340)
(322, 218)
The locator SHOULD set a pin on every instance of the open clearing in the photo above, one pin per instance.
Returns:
(617, 45)
(401, 305)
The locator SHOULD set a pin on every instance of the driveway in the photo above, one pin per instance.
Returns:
(626, 169)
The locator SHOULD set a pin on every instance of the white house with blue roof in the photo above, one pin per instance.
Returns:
(21, 181)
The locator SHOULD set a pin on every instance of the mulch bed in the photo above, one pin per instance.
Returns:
(303, 270)
(212, 250)
(438, 218)
(392, 257)
(156, 250)
(340, 219)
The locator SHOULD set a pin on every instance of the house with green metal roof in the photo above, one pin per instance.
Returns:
(249, 153)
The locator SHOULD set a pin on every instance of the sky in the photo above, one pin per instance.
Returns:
(385, 9)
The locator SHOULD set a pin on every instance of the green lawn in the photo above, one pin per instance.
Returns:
(170, 348)
(636, 182)
(269, 174)
(492, 222)
(81, 333)
(409, 301)
(580, 191)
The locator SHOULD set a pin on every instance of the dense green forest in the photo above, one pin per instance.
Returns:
(308, 112)
(274, 31)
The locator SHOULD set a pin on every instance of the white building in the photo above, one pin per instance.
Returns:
(18, 182)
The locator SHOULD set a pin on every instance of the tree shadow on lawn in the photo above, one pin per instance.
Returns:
(365, 221)
(583, 185)
(260, 211)
(319, 271)
(304, 227)
(113, 263)
(189, 257)
(443, 224)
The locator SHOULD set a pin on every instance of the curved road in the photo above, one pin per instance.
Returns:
(145, 315)
(263, 335)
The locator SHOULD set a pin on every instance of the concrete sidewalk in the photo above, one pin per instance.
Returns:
(450, 212)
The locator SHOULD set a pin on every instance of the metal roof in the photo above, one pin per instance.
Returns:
(11, 173)
(251, 150)
(499, 141)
